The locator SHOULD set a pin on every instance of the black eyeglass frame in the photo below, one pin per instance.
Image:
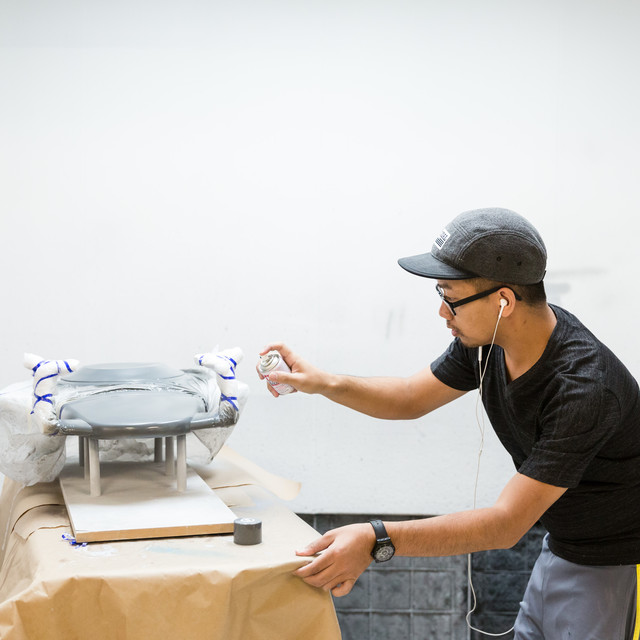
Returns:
(452, 306)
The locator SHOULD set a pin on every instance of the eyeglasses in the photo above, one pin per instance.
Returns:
(483, 294)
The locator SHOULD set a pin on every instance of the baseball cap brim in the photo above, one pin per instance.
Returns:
(427, 266)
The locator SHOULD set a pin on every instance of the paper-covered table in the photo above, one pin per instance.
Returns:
(184, 588)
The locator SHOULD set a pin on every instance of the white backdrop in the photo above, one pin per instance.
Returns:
(180, 175)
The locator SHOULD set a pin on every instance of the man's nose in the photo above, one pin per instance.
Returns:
(445, 312)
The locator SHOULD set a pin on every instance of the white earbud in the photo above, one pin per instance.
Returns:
(503, 304)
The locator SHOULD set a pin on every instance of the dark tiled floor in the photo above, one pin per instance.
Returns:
(427, 598)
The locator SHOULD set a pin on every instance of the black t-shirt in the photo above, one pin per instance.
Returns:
(572, 420)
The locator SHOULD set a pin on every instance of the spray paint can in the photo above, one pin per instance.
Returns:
(273, 361)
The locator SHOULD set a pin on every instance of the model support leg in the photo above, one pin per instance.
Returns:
(81, 450)
(85, 456)
(181, 468)
(157, 449)
(94, 467)
(168, 459)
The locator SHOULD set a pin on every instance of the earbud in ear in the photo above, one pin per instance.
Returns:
(503, 303)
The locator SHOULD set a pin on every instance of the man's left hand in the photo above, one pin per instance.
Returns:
(341, 556)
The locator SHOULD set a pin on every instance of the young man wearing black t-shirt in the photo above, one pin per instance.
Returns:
(564, 407)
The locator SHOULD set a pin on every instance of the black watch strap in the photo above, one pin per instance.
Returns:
(383, 549)
(380, 530)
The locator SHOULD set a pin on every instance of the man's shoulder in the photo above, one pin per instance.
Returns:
(575, 351)
(572, 335)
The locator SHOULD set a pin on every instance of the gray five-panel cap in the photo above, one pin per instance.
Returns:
(497, 244)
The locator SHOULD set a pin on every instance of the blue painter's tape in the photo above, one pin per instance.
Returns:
(53, 375)
(45, 398)
(72, 541)
(234, 364)
(39, 365)
(230, 400)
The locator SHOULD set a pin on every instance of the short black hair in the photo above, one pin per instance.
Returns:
(532, 294)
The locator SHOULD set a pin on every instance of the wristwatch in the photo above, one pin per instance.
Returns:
(383, 549)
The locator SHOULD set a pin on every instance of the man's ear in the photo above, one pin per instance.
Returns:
(507, 302)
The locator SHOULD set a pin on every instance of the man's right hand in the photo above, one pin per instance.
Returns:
(303, 377)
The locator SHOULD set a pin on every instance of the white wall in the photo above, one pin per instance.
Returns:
(176, 175)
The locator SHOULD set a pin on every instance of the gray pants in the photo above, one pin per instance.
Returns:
(567, 601)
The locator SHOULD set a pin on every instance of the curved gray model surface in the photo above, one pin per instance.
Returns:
(135, 413)
(123, 373)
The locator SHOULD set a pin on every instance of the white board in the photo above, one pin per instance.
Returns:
(139, 500)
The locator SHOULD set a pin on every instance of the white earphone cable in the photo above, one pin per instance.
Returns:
(481, 425)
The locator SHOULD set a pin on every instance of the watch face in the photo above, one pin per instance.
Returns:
(384, 553)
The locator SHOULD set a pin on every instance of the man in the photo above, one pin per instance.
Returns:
(564, 407)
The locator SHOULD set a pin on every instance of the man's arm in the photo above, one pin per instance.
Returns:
(388, 398)
(344, 553)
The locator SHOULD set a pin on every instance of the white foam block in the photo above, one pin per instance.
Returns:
(139, 500)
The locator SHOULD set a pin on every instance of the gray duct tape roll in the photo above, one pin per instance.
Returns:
(247, 531)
